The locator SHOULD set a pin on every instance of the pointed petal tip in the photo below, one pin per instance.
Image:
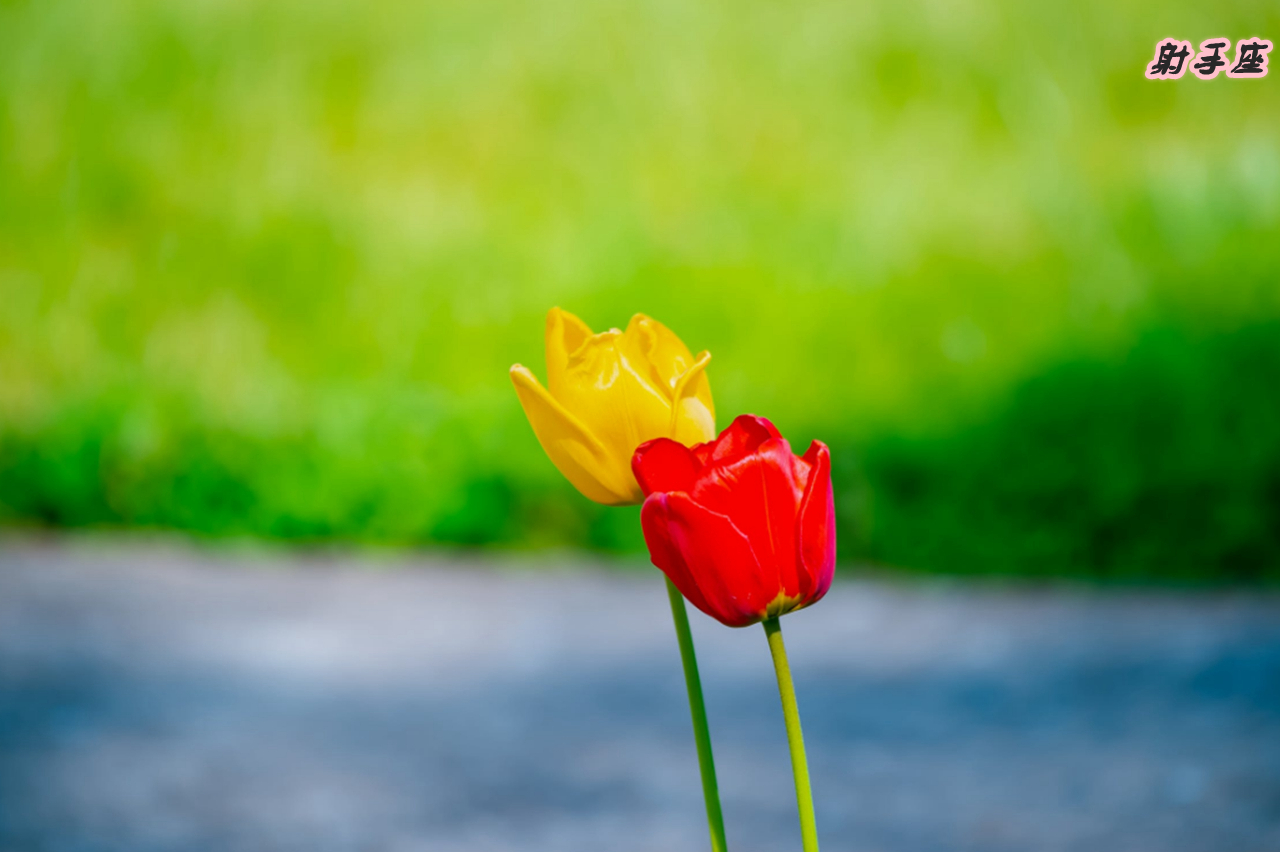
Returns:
(520, 374)
(816, 451)
(565, 332)
(683, 381)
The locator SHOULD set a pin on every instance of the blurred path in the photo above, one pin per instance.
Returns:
(156, 698)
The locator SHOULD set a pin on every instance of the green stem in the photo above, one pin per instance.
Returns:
(698, 710)
(795, 737)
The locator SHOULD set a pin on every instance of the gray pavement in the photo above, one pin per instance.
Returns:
(156, 697)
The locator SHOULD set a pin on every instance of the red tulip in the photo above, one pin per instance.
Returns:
(744, 528)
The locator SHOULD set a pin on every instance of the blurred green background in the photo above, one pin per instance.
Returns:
(264, 266)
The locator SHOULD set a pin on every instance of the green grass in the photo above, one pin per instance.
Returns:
(263, 266)
(1164, 464)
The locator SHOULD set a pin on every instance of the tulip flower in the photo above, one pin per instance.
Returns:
(744, 528)
(746, 531)
(608, 393)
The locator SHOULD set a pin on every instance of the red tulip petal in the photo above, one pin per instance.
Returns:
(664, 465)
(655, 521)
(758, 491)
(744, 435)
(816, 542)
(802, 466)
(707, 557)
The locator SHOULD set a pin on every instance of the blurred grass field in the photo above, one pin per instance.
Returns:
(264, 266)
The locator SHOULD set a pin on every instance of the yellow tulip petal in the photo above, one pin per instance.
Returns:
(565, 335)
(701, 391)
(573, 449)
(613, 396)
(693, 415)
(660, 347)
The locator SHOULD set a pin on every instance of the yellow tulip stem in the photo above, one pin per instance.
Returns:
(795, 737)
(698, 710)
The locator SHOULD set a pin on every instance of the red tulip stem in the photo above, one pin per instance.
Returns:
(698, 710)
(795, 737)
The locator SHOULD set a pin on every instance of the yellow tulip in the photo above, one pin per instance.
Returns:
(610, 392)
